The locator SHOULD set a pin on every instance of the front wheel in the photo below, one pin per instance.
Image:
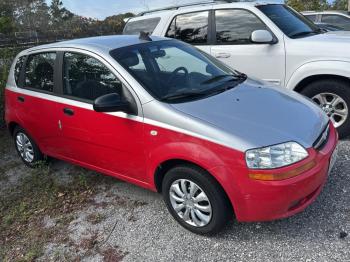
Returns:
(195, 199)
(333, 96)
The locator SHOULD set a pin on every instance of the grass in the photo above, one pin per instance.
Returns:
(40, 193)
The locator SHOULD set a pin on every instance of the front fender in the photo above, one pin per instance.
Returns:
(329, 67)
(191, 152)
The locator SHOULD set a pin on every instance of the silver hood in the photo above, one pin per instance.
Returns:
(258, 115)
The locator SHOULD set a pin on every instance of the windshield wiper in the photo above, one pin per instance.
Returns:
(239, 76)
(305, 33)
(180, 95)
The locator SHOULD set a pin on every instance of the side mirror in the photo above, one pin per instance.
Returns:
(262, 37)
(111, 103)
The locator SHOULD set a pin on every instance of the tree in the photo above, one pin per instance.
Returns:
(7, 22)
(340, 5)
(59, 13)
(304, 5)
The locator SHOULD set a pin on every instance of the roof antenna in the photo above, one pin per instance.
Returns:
(145, 36)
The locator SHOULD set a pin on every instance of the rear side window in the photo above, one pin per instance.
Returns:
(145, 25)
(86, 78)
(39, 72)
(311, 17)
(337, 20)
(18, 69)
(236, 26)
(191, 28)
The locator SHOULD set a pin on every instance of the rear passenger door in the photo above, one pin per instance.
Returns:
(36, 100)
(232, 45)
(109, 142)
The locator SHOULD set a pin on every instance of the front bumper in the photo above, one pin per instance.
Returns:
(270, 200)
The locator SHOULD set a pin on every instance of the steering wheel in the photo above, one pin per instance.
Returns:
(174, 74)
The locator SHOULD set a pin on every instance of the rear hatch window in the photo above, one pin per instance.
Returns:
(145, 25)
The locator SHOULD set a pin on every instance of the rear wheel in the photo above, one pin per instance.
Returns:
(195, 199)
(26, 148)
(333, 96)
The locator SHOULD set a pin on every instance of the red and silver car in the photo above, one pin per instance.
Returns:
(165, 116)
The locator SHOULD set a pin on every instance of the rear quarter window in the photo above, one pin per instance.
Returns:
(145, 25)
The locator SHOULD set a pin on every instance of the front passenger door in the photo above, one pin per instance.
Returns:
(233, 46)
(108, 142)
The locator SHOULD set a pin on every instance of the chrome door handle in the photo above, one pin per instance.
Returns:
(222, 55)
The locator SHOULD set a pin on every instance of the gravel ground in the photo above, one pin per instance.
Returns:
(132, 224)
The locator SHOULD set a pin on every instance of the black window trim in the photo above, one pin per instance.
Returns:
(210, 26)
(55, 70)
(21, 72)
(275, 39)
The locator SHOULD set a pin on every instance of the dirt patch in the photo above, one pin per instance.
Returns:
(38, 207)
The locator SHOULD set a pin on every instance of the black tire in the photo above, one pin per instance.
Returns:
(220, 205)
(37, 155)
(335, 86)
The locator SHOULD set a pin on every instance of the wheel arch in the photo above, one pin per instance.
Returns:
(318, 70)
(313, 78)
(167, 165)
(11, 127)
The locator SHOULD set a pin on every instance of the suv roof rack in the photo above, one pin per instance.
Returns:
(175, 7)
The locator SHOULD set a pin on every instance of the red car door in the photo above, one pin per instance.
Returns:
(35, 101)
(109, 142)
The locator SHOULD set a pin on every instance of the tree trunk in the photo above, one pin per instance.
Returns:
(348, 5)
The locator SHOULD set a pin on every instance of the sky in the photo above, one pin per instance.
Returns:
(100, 9)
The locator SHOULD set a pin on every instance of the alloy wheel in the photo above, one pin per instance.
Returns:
(334, 106)
(25, 147)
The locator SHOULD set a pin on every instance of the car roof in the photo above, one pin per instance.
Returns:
(98, 43)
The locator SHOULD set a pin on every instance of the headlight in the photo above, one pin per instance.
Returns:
(275, 156)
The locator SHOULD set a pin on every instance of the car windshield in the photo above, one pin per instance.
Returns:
(173, 72)
(292, 23)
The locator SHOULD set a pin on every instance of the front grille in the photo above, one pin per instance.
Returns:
(322, 140)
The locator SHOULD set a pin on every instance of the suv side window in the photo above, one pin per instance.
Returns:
(235, 26)
(311, 17)
(18, 70)
(39, 72)
(191, 28)
(86, 78)
(337, 20)
(146, 25)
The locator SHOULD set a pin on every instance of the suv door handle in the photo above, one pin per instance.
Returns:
(222, 55)
(68, 111)
(20, 99)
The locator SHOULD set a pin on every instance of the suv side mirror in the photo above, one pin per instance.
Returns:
(111, 103)
(262, 37)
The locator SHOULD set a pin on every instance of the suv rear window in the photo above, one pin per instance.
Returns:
(145, 25)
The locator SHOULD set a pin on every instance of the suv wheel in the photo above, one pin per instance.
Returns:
(195, 199)
(26, 147)
(333, 96)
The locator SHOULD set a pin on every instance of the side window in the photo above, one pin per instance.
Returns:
(236, 26)
(18, 69)
(191, 28)
(337, 20)
(311, 17)
(145, 25)
(39, 72)
(86, 78)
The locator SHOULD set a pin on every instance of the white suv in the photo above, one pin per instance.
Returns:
(269, 41)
